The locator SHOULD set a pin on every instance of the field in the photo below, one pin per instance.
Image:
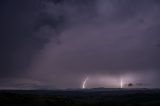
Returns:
(78, 97)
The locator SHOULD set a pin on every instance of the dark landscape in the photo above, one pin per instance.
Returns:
(78, 97)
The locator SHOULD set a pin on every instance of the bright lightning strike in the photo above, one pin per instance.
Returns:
(121, 83)
(84, 83)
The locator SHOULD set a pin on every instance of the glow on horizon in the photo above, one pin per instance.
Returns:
(84, 83)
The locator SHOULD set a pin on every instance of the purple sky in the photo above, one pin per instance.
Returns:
(53, 44)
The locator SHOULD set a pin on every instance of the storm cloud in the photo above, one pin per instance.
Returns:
(62, 42)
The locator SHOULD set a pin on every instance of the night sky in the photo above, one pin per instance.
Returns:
(50, 44)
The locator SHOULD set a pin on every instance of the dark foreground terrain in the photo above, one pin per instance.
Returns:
(89, 97)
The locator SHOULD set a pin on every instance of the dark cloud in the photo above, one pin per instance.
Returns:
(59, 42)
(21, 20)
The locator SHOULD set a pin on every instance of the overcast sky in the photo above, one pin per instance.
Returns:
(58, 43)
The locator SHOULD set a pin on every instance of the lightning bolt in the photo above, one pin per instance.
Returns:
(121, 83)
(84, 83)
